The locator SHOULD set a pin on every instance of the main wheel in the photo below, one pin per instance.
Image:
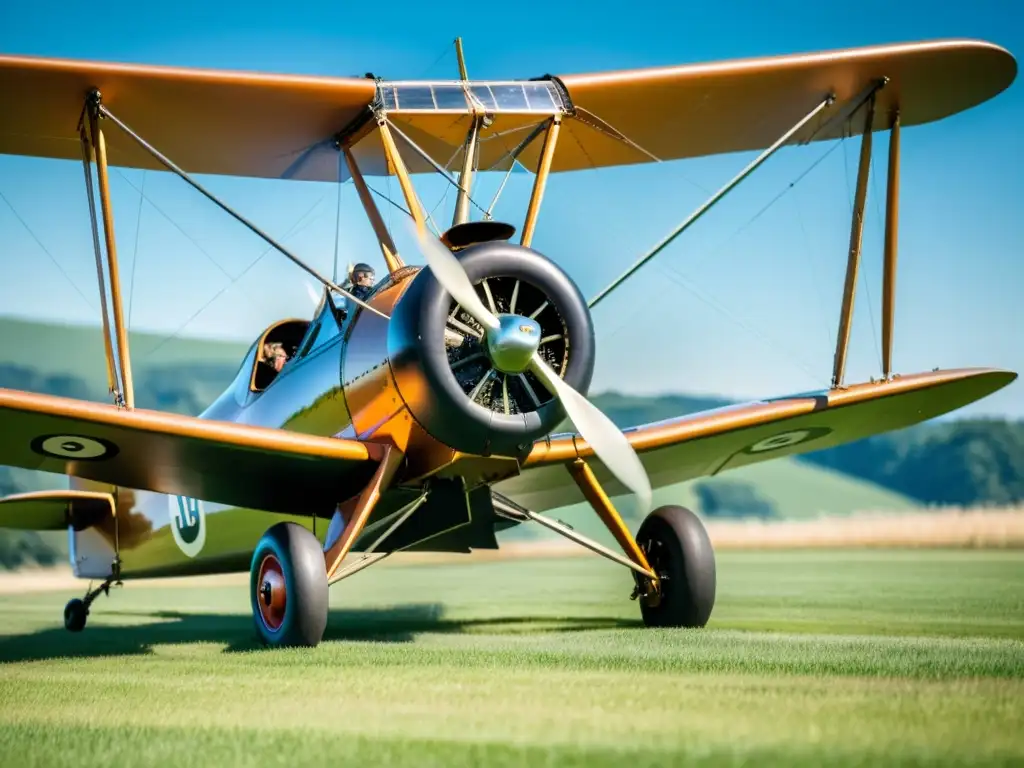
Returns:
(679, 551)
(288, 587)
(75, 614)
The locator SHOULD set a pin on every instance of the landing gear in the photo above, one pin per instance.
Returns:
(678, 549)
(75, 614)
(77, 609)
(288, 587)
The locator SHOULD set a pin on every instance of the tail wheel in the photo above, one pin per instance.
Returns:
(679, 551)
(288, 587)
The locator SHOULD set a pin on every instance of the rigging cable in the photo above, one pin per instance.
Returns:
(295, 228)
(46, 251)
(692, 289)
(701, 260)
(177, 226)
(135, 252)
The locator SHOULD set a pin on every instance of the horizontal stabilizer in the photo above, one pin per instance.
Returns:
(54, 510)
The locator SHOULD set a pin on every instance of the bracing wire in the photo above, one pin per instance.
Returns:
(702, 260)
(135, 251)
(295, 229)
(177, 226)
(676, 276)
(712, 302)
(45, 250)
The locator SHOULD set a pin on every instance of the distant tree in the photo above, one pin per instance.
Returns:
(732, 499)
(972, 461)
(969, 462)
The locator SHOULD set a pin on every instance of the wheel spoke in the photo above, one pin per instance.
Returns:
(515, 295)
(539, 309)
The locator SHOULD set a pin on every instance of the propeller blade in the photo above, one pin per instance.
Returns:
(607, 440)
(453, 278)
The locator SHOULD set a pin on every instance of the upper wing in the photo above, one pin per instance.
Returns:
(250, 467)
(707, 443)
(705, 109)
(207, 121)
(279, 126)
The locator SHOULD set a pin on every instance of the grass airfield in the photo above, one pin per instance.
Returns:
(811, 657)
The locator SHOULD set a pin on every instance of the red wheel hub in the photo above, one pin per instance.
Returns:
(273, 594)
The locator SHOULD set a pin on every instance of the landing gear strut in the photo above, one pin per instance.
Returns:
(77, 609)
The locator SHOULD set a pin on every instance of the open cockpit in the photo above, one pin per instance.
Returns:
(288, 342)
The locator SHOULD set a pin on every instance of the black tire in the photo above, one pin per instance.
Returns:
(75, 614)
(680, 552)
(288, 555)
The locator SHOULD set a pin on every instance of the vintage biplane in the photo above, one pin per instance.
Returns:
(419, 416)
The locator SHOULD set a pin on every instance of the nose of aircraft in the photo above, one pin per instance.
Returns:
(513, 343)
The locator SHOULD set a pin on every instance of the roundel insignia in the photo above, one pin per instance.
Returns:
(188, 524)
(787, 439)
(75, 447)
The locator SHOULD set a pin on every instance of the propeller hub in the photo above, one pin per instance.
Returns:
(513, 343)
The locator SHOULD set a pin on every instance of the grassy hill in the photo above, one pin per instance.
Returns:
(77, 350)
(782, 489)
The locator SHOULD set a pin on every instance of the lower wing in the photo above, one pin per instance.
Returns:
(704, 444)
(233, 464)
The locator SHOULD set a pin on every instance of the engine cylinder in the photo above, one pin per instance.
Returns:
(442, 368)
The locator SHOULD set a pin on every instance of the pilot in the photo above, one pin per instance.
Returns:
(361, 279)
(274, 355)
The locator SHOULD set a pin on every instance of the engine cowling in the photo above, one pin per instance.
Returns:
(446, 375)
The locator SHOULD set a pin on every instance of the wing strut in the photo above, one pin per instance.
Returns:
(547, 155)
(102, 111)
(465, 180)
(404, 181)
(892, 210)
(387, 246)
(856, 238)
(113, 386)
(892, 194)
(95, 146)
(693, 217)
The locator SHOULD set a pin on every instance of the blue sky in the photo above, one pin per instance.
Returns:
(735, 307)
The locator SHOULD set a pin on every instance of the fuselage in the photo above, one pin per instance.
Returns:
(414, 377)
(160, 534)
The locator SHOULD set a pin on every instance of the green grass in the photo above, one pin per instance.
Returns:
(839, 657)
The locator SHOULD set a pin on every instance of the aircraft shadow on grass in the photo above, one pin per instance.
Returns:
(395, 624)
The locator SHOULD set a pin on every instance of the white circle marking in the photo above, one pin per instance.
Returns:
(784, 440)
(73, 447)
